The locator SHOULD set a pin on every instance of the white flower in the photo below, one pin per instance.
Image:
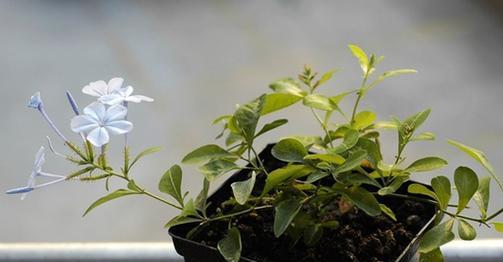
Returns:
(123, 95)
(101, 88)
(97, 122)
(37, 171)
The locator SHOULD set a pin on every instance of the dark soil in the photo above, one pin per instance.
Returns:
(359, 237)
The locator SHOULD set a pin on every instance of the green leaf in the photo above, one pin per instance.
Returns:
(465, 230)
(320, 102)
(394, 186)
(353, 161)
(287, 86)
(205, 153)
(426, 164)
(396, 72)
(201, 199)
(285, 212)
(217, 167)
(362, 57)
(315, 176)
(386, 210)
(480, 157)
(289, 150)
(242, 189)
(409, 125)
(432, 256)
(423, 136)
(437, 236)
(498, 226)
(467, 183)
(145, 152)
(364, 119)
(481, 197)
(221, 118)
(270, 126)
(282, 174)
(338, 98)
(80, 172)
(230, 246)
(180, 220)
(329, 158)
(307, 141)
(373, 149)
(442, 187)
(278, 101)
(312, 234)
(111, 196)
(421, 190)
(357, 179)
(247, 117)
(171, 183)
(350, 140)
(364, 200)
(386, 125)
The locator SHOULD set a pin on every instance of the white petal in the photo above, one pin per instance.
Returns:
(138, 99)
(39, 159)
(96, 110)
(114, 113)
(111, 99)
(83, 124)
(98, 137)
(119, 127)
(114, 84)
(128, 91)
(97, 88)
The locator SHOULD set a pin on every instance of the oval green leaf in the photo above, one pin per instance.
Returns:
(289, 150)
(467, 183)
(285, 212)
(230, 246)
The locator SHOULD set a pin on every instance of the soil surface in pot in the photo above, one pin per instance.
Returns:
(359, 237)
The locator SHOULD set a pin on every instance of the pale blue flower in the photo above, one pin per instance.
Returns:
(36, 172)
(101, 88)
(122, 96)
(98, 121)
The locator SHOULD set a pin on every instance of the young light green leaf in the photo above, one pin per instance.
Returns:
(432, 256)
(285, 212)
(350, 140)
(362, 57)
(205, 153)
(270, 126)
(189, 209)
(282, 174)
(364, 200)
(481, 197)
(338, 98)
(353, 161)
(242, 189)
(278, 101)
(421, 190)
(145, 152)
(221, 119)
(465, 230)
(437, 236)
(364, 119)
(230, 246)
(442, 187)
(393, 186)
(385, 125)
(216, 167)
(498, 226)
(287, 86)
(316, 175)
(386, 210)
(423, 136)
(289, 150)
(426, 164)
(467, 183)
(396, 72)
(171, 183)
(373, 149)
(324, 78)
(180, 220)
(480, 157)
(247, 117)
(111, 196)
(320, 102)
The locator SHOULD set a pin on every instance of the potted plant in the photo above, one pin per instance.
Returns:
(304, 198)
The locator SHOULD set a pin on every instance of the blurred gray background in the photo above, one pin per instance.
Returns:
(198, 59)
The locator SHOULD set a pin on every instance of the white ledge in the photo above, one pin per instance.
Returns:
(456, 251)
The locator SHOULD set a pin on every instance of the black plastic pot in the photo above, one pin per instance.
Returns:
(193, 251)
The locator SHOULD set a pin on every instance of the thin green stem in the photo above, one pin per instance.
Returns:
(358, 99)
(495, 214)
(237, 213)
(323, 126)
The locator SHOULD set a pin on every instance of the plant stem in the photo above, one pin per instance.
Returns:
(323, 126)
(495, 214)
(237, 213)
(360, 94)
